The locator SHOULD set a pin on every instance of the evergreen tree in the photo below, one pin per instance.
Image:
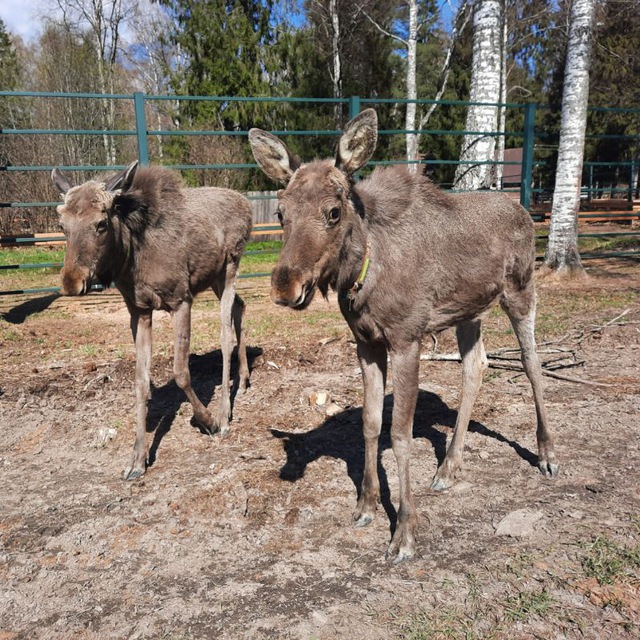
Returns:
(9, 69)
(221, 42)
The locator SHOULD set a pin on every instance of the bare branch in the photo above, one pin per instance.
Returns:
(384, 31)
(446, 65)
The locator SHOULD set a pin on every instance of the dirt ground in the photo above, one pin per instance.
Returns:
(250, 536)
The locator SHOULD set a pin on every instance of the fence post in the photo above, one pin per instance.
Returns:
(141, 128)
(527, 154)
(354, 106)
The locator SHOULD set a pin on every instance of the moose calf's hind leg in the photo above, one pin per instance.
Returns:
(524, 330)
(227, 301)
(182, 338)
(243, 365)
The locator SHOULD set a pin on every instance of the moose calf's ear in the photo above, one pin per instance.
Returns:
(358, 142)
(60, 181)
(122, 180)
(272, 155)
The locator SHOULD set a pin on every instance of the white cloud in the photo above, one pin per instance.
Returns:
(22, 18)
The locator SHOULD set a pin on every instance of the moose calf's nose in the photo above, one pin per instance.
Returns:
(72, 284)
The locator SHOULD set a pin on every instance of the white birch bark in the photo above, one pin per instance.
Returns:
(337, 62)
(412, 91)
(502, 114)
(485, 88)
(562, 250)
(411, 84)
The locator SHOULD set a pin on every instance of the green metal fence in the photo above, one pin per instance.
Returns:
(532, 139)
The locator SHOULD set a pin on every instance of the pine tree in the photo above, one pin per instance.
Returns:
(221, 42)
(9, 70)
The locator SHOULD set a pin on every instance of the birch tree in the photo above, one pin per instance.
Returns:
(412, 91)
(338, 20)
(478, 150)
(562, 248)
(412, 124)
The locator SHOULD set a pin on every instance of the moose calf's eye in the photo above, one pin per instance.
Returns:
(280, 217)
(101, 226)
(333, 216)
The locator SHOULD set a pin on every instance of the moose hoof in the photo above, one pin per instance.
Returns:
(441, 484)
(401, 549)
(362, 520)
(548, 469)
(400, 557)
(133, 473)
(208, 428)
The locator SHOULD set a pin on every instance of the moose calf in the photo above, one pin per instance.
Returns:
(406, 259)
(160, 244)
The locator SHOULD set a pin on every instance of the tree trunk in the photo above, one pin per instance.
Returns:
(412, 92)
(485, 88)
(337, 62)
(502, 115)
(562, 247)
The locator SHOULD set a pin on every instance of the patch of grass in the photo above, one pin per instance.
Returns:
(10, 335)
(260, 257)
(441, 625)
(88, 350)
(526, 604)
(598, 244)
(558, 311)
(607, 561)
(31, 255)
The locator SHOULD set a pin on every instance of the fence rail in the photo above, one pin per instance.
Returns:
(532, 195)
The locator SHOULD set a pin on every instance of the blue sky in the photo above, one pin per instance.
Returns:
(21, 17)
(24, 17)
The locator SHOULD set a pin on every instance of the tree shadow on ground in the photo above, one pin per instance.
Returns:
(206, 375)
(19, 313)
(341, 437)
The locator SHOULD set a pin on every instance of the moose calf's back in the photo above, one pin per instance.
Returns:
(442, 258)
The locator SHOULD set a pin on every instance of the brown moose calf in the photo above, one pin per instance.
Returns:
(406, 260)
(160, 244)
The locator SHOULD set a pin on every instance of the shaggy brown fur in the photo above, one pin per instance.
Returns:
(437, 260)
(160, 244)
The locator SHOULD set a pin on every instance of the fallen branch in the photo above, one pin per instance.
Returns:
(508, 358)
(513, 366)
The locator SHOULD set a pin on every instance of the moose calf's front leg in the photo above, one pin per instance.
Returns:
(373, 362)
(474, 362)
(141, 329)
(405, 366)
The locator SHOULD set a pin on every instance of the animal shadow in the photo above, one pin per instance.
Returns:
(19, 313)
(206, 374)
(341, 437)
